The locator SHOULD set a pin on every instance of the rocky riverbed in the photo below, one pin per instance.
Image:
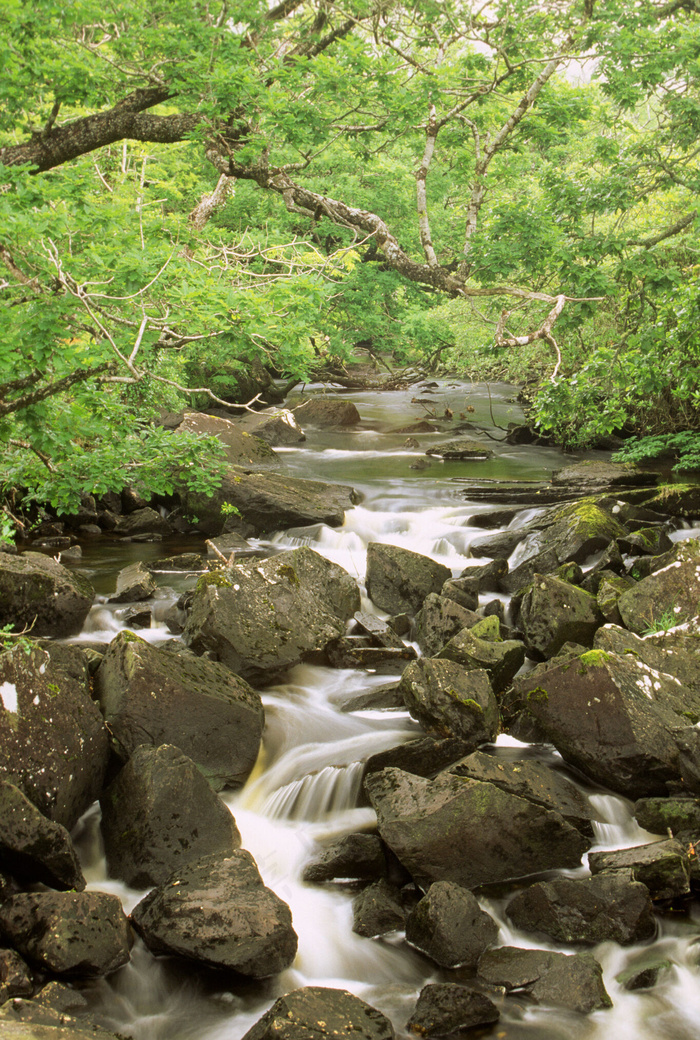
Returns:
(540, 656)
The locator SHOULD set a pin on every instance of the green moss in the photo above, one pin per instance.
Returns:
(215, 579)
(593, 659)
(288, 572)
(130, 637)
(538, 696)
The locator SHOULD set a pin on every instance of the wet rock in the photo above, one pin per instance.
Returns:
(450, 927)
(33, 848)
(60, 997)
(610, 588)
(462, 448)
(134, 582)
(456, 829)
(499, 658)
(242, 449)
(675, 653)
(382, 698)
(447, 1010)
(552, 612)
(571, 981)
(39, 594)
(261, 617)
(674, 588)
(144, 521)
(159, 813)
(486, 577)
(599, 476)
(659, 815)
(532, 780)
(377, 910)
(648, 541)
(399, 580)
(663, 866)
(449, 701)
(314, 1012)
(440, 618)
(151, 696)
(426, 756)
(218, 912)
(68, 933)
(326, 412)
(27, 1020)
(276, 427)
(15, 976)
(270, 502)
(353, 857)
(612, 717)
(53, 743)
(182, 562)
(586, 910)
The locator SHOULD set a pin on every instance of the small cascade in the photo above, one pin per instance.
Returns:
(332, 790)
(617, 827)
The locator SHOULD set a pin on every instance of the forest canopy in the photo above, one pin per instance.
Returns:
(192, 189)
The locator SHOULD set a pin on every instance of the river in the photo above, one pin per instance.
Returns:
(306, 787)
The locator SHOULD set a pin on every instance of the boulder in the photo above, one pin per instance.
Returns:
(659, 815)
(426, 756)
(15, 976)
(53, 742)
(276, 427)
(646, 541)
(447, 1010)
(533, 780)
(33, 848)
(80, 934)
(378, 910)
(326, 411)
(134, 583)
(450, 927)
(610, 587)
(461, 448)
(353, 857)
(571, 981)
(399, 580)
(593, 475)
(440, 618)
(586, 910)
(159, 813)
(27, 1020)
(552, 612)
(457, 829)
(449, 701)
(663, 866)
(152, 696)
(613, 717)
(261, 617)
(218, 912)
(499, 658)
(40, 594)
(314, 1013)
(677, 653)
(269, 502)
(242, 449)
(144, 521)
(486, 577)
(672, 590)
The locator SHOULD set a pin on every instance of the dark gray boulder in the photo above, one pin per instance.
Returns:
(314, 1013)
(447, 1010)
(377, 910)
(33, 848)
(594, 475)
(145, 521)
(663, 866)
(552, 612)
(354, 856)
(218, 912)
(260, 617)
(426, 756)
(586, 910)
(613, 717)
(659, 815)
(672, 590)
(487, 577)
(450, 927)
(242, 448)
(134, 583)
(159, 813)
(16, 978)
(439, 619)
(269, 502)
(40, 594)
(81, 934)
(676, 653)
(53, 743)
(571, 981)
(152, 696)
(610, 587)
(326, 411)
(481, 647)
(532, 780)
(457, 829)
(398, 580)
(449, 701)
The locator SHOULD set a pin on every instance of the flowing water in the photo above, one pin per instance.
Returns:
(306, 787)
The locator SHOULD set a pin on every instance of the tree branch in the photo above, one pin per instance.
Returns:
(51, 389)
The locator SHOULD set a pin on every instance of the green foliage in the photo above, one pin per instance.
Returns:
(684, 448)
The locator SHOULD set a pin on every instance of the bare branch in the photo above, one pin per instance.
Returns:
(209, 203)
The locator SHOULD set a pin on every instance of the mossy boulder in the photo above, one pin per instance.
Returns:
(663, 866)
(260, 618)
(671, 592)
(449, 701)
(440, 618)
(399, 580)
(153, 696)
(552, 612)
(40, 594)
(500, 658)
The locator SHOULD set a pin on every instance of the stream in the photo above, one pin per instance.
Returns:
(306, 786)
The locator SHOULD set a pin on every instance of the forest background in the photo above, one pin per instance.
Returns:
(189, 189)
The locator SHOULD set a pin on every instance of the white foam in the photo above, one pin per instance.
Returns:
(8, 693)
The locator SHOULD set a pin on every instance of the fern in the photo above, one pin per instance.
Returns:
(684, 446)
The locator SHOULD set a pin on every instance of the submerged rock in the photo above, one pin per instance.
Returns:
(152, 696)
(40, 594)
(314, 1012)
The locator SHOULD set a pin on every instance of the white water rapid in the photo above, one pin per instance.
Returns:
(306, 787)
